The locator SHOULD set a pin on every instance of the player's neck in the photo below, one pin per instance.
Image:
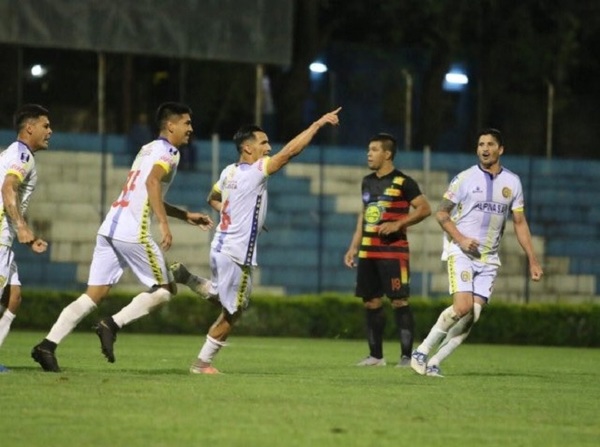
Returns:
(384, 170)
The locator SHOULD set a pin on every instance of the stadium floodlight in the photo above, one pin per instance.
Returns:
(317, 67)
(456, 80)
(38, 71)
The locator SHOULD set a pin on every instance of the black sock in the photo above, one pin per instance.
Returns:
(375, 327)
(406, 329)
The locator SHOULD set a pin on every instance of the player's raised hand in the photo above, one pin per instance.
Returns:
(330, 118)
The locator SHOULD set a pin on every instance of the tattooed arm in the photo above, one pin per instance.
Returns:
(442, 215)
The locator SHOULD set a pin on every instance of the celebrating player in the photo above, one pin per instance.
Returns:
(240, 195)
(473, 213)
(124, 240)
(17, 167)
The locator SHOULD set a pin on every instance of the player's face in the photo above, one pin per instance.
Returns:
(259, 146)
(376, 156)
(181, 129)
(39, 131)
(488, 151)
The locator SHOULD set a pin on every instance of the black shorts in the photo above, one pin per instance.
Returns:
(378, 277)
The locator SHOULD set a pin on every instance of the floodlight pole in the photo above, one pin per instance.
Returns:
(549, 119)
(259, 94)
(101, 129)
(408, 109)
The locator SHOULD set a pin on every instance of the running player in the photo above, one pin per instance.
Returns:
(473, 213)
(19, 178)
(240, 195)
(124, 240)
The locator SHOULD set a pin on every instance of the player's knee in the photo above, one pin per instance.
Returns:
(373, 303)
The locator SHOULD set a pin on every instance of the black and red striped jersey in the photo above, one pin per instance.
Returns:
(385, 199)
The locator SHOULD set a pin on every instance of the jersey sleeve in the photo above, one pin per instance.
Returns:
(20, 165)
(411, 189)
(454, 191)
(168, 159)
(518, 202)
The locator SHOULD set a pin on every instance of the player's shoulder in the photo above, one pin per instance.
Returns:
(510, 174)
(19, 152)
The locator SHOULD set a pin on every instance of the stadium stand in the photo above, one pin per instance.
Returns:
(312, 214)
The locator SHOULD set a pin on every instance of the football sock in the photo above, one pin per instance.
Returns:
(405, 323)
(375, 327)
(456, 335)
(5, 322)
(209, 350)
(70, 317)
(445, 321)
(199, 285)
(141, 305)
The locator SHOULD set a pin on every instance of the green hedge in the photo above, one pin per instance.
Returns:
(331, 316)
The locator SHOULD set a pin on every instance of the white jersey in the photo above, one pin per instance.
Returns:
(243, 189)
(17, 159)
(129, 217)
(483, 205)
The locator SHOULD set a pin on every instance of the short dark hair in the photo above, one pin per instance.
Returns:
(388, 142)
(244, 134)
(167, 109)
(494, 133)
(27, 112)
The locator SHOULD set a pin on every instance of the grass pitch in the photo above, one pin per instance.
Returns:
(294, 392)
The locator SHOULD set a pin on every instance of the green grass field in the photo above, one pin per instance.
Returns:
(295, 392)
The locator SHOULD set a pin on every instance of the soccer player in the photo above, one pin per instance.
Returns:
(473, 214)
(19, 178)
(240, 196)
(124, 240)
(392, 202)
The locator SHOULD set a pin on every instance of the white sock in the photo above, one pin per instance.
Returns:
(210, 349)
(70, 317)
(445, 321)
(456, 335)
(5, 323)
(141, 305)
(201, 286)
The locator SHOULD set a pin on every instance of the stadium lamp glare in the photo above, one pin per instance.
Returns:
(37, 71)
(317, 67)
(456, 78)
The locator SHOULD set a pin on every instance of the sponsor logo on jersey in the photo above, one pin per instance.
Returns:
(25, 157)
(373, 213)
(491, 207)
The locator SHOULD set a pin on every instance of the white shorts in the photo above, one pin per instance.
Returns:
(111, 256)
(469, 275)
(231, 281)
(9, 273)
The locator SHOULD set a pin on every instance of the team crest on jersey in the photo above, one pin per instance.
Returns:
(373, 213)
(506, 192)
(465, 276)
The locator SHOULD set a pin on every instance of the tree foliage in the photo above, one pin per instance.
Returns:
(515, 50)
